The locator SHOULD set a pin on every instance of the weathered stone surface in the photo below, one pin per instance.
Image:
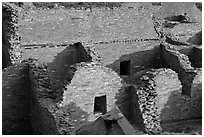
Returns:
(11, 40)
(196, 99)
(160, 99)
(42, 120)
(179, 63)
(15, 100)
(90, 81)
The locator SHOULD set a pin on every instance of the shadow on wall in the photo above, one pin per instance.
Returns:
(196, 39)
(194, 54)
(15, 101)
(123, 101)
(70, 118)
(179, 107)
(61, 65)
(139, 61)
(196, 57)
(6, 61)
(127, 102)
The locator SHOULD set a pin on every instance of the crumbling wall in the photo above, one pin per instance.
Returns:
(76, 53)
(91, 80)
(159, 100)
(92, 53)
(41, 102)
(60, 66)
(189, 76)
(15, 100)
(179, 63)
(11, 39)
(47, 115)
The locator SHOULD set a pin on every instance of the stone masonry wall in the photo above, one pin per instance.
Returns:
(190, 78)
(159, 100)
(60, 66)
(91, 80)
(47, 115)
(179, 63)
(15, 100)
(42, 120)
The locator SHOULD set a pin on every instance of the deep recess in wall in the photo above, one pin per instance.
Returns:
(100, 105)
(125, 68)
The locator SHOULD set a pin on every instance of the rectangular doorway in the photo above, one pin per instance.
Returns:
(125, 68)
(100, 105)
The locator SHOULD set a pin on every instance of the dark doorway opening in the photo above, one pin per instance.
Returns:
(125, 68)
(100, 105)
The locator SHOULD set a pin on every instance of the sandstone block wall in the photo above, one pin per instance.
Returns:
(196, 99)
(179, 63)
(189, 74)
(112, 53)
(147, 98)
(42, 120)
(47, 116)
(89, 81)
(60, 119)
(158, 99)
(11, 39)
(60, 66)
(15, 100)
